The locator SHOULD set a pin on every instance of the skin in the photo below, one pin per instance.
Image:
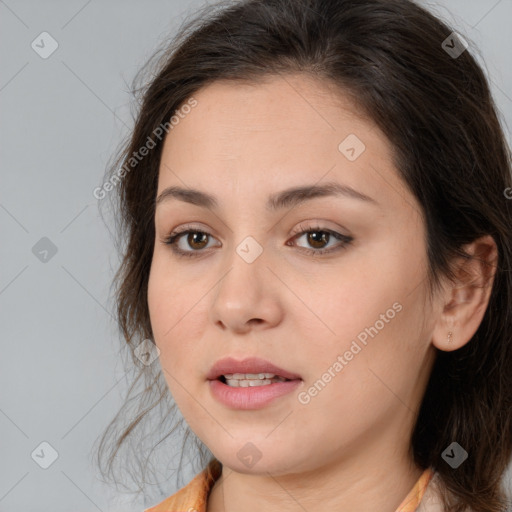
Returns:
(348, 448)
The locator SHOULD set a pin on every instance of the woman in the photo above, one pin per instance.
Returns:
(315, 206)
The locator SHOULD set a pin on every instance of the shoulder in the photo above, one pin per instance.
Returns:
(194, 495)
(432, 499)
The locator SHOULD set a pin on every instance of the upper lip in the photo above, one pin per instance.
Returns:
(249, 365)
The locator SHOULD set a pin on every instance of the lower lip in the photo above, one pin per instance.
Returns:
(254, 397)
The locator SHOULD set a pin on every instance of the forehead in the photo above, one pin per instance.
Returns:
(273, 134)
(282, 104)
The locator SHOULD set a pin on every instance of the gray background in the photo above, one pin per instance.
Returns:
(61, 378)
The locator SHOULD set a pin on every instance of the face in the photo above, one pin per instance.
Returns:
(331, 288)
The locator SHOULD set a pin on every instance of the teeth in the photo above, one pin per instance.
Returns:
(238, 383)
(245, 383)
(247, 376)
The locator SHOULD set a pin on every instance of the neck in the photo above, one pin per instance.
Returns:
(376, 483)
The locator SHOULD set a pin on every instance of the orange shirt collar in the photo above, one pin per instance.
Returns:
(194, 496)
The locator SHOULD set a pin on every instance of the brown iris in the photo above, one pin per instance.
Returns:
(192, 239)
(314, 239)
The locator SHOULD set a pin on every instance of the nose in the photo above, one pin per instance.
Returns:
(248, 296)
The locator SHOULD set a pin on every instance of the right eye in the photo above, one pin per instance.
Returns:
(195, 239)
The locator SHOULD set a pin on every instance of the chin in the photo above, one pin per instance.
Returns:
(259, 465)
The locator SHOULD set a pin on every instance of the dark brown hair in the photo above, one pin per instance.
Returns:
(449, 148)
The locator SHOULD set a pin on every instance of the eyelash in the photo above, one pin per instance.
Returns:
(344, 239)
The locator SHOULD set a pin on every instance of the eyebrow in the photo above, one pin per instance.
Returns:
(284, 199)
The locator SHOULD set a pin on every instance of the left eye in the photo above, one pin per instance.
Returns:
(316, 237)
(195, 239)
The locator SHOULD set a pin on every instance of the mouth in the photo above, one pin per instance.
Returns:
(251, 393)
(252, 383)
(249, 372)
(246, 380)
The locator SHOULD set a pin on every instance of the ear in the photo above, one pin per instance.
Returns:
(464, 302)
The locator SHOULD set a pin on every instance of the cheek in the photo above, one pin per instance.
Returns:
(165, 307)
(363, 386)
(347, 302)
(169, 294)
(177, 309)
(373, 320)
(170, 336)
(159, 299)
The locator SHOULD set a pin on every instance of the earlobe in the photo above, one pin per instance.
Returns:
(466, 300)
